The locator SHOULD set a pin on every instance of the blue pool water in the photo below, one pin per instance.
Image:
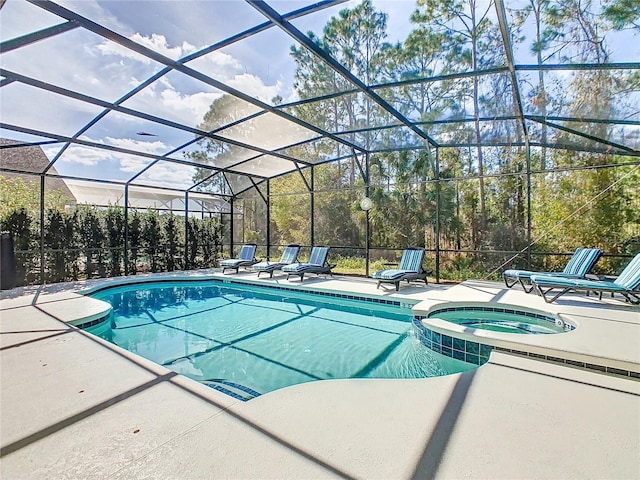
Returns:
(245, 340)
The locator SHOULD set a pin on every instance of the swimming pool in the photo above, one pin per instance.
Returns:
(246, 340)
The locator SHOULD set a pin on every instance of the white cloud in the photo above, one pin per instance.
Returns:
(90, 156)
(189, 107)
(108, 47)
(167, 174)
(81, 155)
(218, 65)
(154, 147)
(255, 87)
(162, 99)
(155, 42)
(159, 44)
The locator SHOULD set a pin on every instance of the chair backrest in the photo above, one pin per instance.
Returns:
(290, 254)
(412, 259)
(318, 256)
(629, 278)
(247, 252)
(582, 261)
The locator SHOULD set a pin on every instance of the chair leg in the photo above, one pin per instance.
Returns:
(398, 285)
(554, 298)
(507, 283)
(525, 287)
(378, 286)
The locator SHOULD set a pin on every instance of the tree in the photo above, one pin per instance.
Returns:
(465, 23)
(355, 38)
(152, 239)
(290, 210)
(114, 224)
(134, 238)
(220, 154)
(172, 240)
(92, 238)
(17, 193)
(623, 14)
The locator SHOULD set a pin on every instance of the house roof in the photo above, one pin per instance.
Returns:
(18, 159)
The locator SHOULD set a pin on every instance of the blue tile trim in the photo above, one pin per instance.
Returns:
(91, 323)
(478, 353)
(226, 281)
(470, 352)
(382, 301)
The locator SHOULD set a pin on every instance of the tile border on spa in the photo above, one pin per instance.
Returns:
(478, 353)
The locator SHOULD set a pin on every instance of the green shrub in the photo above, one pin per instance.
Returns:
(89, 242)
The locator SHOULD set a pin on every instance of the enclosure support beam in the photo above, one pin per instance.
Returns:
(437, 226)
(126, 229)
(313, 205)
(337, 67)
(30, 38)
(304, 179)
(186, 230)
(367, 191)
(268, 202)
(42, 183)
(584, 135)
(508, 50)
(265, 199)
(363, 171)
(528, 162)
(232, 201)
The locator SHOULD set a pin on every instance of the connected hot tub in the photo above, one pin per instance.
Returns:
(471, 331)
(499, 319)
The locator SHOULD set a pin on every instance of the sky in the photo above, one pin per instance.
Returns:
(259, 66)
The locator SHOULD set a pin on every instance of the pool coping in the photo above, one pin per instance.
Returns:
(473, 339)
(573, 348)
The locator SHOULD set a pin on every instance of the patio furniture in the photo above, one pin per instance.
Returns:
(578, 266)
(288, 257)
(627, 284)
(410, 268)
(246, 258)
(317, 264)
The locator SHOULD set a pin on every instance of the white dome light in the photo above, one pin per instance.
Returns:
(366, 203)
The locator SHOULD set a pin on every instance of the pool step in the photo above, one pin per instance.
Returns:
(232, 389)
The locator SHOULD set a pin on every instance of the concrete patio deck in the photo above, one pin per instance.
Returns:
(74, 406)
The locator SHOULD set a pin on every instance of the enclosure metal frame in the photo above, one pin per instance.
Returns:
(72, 21)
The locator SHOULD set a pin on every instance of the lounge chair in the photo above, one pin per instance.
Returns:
(317, 264)
(578, 266)
(289, 256)
(246, 258)
(410, 268)
(627, 284)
